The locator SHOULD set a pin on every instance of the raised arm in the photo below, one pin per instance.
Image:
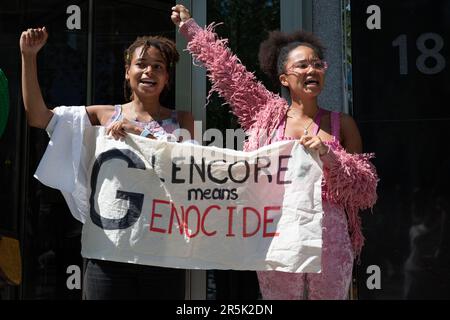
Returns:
(38, 115)
(31, 41)
(239, 87)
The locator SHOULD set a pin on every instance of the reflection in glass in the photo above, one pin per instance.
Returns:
(117, 25)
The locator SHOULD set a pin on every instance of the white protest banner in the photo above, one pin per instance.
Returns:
(185, 206)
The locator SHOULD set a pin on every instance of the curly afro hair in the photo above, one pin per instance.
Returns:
(274, 51)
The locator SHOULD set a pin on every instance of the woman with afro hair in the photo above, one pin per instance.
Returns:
(296, 61)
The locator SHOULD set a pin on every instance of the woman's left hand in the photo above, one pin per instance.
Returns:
(180, 14)
(311, 142)
(119, 129)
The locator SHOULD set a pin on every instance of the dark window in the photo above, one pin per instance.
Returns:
(117, 25)
(401, 81)
(246, 25)
(50, 235)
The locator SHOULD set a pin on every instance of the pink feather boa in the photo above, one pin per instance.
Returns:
(350, 180)
(258, 110)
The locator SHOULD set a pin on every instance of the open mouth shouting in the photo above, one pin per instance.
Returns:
(147, 82)
(311, 83)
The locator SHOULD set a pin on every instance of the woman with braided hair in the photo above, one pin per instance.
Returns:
(149, 70)
(296, 61)
(149, 66)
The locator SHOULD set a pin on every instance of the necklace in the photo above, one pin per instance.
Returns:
(158, 119)
(305, 129)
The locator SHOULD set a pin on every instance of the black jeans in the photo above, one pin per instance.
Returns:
(108, 280)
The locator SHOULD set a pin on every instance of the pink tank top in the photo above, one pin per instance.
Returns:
(158, 129)
(335, 126)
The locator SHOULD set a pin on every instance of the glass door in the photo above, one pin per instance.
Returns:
(49, 235)
(82, 63)
(246, 24)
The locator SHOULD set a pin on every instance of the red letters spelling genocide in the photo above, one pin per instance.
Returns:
(192, 222)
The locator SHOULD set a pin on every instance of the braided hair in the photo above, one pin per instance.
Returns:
(166, 47)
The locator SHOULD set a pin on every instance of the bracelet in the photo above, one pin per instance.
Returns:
(145, 132)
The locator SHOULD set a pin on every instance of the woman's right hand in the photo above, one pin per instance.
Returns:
(119, 129)
(180, 14)
(32, 40)
(313, 142)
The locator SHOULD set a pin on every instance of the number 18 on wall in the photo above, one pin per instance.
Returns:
(430, 61)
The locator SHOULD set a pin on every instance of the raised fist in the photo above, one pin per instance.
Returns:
(32, 40)
(180, 15)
